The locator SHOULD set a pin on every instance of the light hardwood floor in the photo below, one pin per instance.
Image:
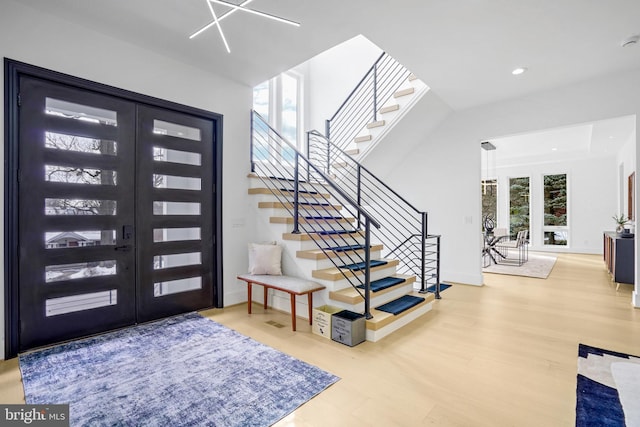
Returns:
(504, 354)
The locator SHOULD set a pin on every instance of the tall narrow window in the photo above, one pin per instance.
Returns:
(555, 230)
(518, 205)
(279, 102)
(261, 99)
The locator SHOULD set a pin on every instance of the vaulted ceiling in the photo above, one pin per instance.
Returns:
(464, 49)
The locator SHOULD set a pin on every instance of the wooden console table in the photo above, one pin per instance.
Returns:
(619, 257)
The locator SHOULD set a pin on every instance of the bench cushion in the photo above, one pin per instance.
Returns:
(286, 283)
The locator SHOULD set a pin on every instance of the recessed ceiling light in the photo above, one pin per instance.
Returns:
(518, 71)
(554, 149)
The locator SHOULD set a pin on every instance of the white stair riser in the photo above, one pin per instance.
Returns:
(377, 299)
(374, 336)
(315, 226)
(302, 186)
(303, 210)
(336, 285)
(319, 264)
(324, 242)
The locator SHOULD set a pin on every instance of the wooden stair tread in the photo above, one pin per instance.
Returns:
(335, 273)
(375, 124)
(289, 220)
(404, 92)
(390, 108)
(302, 195)
(319, 254)
(353, 151)
(363, 138)
(382, 318)
(351, 296)
(315, 236)
(412, 77)
(289, 205)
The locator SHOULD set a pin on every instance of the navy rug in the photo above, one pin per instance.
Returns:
(384, 283)
(608, 386)
(443, 286)
(403, 303)
(182, 371)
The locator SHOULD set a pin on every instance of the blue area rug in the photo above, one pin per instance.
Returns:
(182, 371)
(608, 386)
(362, 265)
(384, 283)
(403, 303)
(443, 286)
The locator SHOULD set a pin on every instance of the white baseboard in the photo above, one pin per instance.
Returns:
(635, 300)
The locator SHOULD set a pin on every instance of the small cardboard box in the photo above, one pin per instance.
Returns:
(348, 328)
(321, 323)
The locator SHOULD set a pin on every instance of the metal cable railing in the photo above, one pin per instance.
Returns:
(362, 106)
(403, 228)
(331, 217)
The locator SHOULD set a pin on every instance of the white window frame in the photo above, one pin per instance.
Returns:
(555, 228)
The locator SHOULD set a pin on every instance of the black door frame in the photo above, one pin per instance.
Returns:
(13, 70)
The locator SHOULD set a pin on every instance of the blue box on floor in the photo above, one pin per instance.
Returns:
(348, 328)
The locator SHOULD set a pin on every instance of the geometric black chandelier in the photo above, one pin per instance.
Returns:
(235, 8)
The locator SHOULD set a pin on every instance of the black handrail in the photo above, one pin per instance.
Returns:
(326, 179)
(376, 87)
(404, 231)
(278, 163)
(344, 154)
(371, 70)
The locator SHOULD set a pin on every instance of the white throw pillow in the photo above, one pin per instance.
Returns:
(265, 259)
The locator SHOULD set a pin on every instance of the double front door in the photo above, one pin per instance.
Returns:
(115, 216)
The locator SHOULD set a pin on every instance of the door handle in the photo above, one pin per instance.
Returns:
(123, 248)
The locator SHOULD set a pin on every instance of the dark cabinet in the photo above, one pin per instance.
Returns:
(619, 257)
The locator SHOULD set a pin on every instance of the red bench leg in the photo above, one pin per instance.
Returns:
(293, 312)
(249, 297)
(310, 296)
(266, 292)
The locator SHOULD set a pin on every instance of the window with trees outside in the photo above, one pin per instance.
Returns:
(556, 232)
(518, 205)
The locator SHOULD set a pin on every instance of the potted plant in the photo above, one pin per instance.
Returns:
(620, 220)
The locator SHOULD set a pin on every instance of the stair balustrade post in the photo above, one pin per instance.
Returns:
(253, 165)
(367, 270)
(375, 92)
(296, 189)
(359, 194)
(328, 156)
(309, 155)
(423, 255)
(438, 267)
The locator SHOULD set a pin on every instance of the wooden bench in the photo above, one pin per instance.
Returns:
(291, 285)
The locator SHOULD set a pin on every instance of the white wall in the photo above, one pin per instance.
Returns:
(441, 169)
(591, 201)
(30, 36)
(332, 75)
(626, 164)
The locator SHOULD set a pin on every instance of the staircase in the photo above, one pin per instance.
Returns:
(383, 96)
(330, 237)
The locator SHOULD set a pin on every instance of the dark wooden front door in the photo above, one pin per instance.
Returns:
(115, 215)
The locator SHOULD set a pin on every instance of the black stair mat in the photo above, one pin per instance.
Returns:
(381, 284)
(401, 304)
(361, 265)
